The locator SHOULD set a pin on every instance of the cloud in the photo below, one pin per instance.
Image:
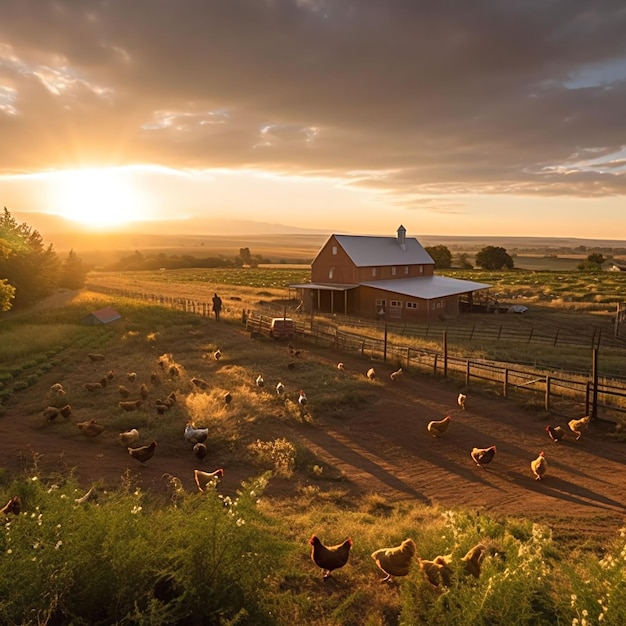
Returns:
(420, 98)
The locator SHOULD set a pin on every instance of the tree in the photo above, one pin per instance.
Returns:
(462, 261)
(7, 293)
(25, 262)
(493, 258)
(593, 263)
(73, 272)
(441, 255)
(246, 256)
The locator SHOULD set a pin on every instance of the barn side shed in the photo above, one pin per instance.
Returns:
(102, 316)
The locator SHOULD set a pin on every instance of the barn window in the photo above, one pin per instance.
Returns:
(406, 269)
(421, 269)
(380, 303)
(393, 271)
(396, 304)
(411, 305)
(331, 272)
(334, 249)
(373, 271)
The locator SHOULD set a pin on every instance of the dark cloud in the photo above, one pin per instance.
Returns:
(426, 97)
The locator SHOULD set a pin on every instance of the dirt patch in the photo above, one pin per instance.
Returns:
(383, 448)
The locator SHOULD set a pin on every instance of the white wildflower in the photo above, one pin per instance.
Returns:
(135, 510)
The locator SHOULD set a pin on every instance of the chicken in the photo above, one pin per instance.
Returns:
(204, 479)
(472, 561)
(124, 391)
(259, 381)
(95, 357)
(12, 506)
(200, 383)
(437, 427)
(280, 388)
(483, 456)
(437, 571)
(371, 373)
(461, 400)
(92, 494)
(556, 433)
(329, 558)
(130, 405)
(217, 355)
(143, 453)
(539, 466)
(90, 428)
(128, 437)
(104, 382)
(92, 386)
(154, 379)
(341, 367)
(200, 450)
(110, 375)
(395, 561)
(395, 375)
(161, 408)
(52, 412)
(143, 391)
(577, 425)
(302, 399)
(195, 435)
(131, 376)
(57, 389)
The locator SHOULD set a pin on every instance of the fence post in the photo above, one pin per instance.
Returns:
(467, 375)
(408, 357)
(336, 339)
(530, 336)
(594, 396)
(556, 336)
(499, 332)
(547, 400)
(445, 353)
(472, 332)
(435, 365)
(587, 394)
(385, 345)
(505, 386)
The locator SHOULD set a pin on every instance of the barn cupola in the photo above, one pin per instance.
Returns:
(402, 237)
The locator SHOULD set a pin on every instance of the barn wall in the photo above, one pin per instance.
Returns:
(333, 268)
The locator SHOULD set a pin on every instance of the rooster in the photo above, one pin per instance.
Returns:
(204, 479)
(143, 453)
(329, 558)
(395, 561)
(483, 456)
(539, 466)
(556, 433)
(437, 427)
(576, 426)
(302, 399)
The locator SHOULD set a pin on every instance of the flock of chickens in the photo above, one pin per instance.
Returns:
(396, 561)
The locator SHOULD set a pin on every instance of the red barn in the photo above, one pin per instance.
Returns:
(391, 278)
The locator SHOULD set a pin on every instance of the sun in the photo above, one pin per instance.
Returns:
(98, 198)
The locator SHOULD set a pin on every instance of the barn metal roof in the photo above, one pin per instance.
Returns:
(366, 251)
(427, 287)
(324, 286)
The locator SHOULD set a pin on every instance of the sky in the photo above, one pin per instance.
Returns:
(489, 117)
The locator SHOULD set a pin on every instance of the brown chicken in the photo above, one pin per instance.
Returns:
(483, 456)
(437, 571)
(143, 453)
(329, 558)
(472, 561)
(90, 428)
(437, 427)
(130, 405)
(199, 382)
(92, 386)
(124, 391)
(204, 479)
(12, 506)
(200, 450)
(539, 466)
(395, 561)
(577, 426)
(556, 433)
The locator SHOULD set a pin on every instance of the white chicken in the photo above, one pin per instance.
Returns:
(461, 400)
(280, 389)
(371, 373)
(260, 382)
(195, 435)
(302, 399)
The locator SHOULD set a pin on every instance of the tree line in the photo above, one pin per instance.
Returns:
(31, 270)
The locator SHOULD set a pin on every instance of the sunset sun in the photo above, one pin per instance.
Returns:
(99, 198)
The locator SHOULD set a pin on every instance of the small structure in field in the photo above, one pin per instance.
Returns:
(102, 316)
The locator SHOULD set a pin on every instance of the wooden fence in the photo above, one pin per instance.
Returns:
(510, 379)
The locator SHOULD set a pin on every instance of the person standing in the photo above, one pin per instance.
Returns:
(217, 307)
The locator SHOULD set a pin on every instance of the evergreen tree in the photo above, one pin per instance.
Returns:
(73, 272)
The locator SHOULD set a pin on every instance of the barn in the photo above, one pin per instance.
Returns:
(389, 278)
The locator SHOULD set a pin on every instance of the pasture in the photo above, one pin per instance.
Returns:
(357, 461)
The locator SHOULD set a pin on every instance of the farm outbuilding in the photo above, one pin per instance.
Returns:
(390, 278)
(102, 316)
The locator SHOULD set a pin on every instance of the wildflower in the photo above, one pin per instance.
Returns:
(135, 510)
(10, 551)
(34, 478)
(573, 598)
(241, 522)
